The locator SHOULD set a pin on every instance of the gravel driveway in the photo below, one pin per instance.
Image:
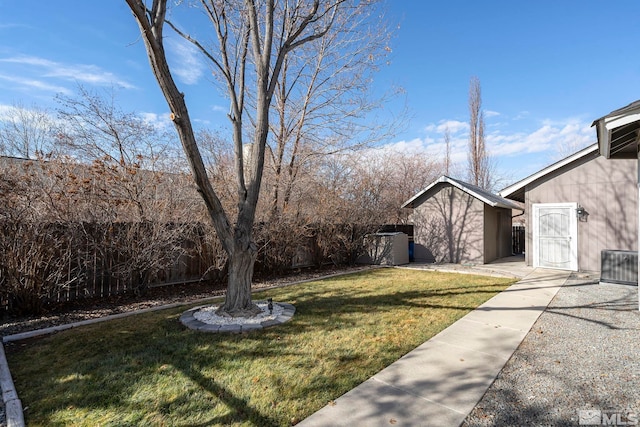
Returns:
(581, 356)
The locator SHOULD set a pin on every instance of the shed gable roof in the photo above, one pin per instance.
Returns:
(483, 195)
(516, 191)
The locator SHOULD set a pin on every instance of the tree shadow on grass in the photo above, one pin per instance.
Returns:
(239, 408)
(345, 305)
(136, 348)
(94, 383)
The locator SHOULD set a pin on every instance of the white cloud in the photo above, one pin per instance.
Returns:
(551, 139)
(454, 126)
(12, 26)
(35, 117)
(158, 121)
(186, 63)
(519, 145)
(416, 145)
(557, 137)
(5, 111)
(35, 84)
(84, 73)
(521, 115)
(433, 147)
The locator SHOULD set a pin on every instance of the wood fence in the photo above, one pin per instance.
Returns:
(43, 263)
(517, 239)
(110, 259)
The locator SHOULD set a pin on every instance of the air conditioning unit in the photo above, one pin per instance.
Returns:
(619, 267)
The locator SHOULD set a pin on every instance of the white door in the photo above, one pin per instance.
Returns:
(555, 236)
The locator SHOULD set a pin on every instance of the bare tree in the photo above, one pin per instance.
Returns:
(369, 188)
(571, 145)
(25, 132)
(322, 97)
(119, 181)
(122, 148)
(479, 162)
(447, 151)
(250, 39)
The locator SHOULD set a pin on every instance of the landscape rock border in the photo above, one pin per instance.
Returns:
(188, 320)
(13, 414)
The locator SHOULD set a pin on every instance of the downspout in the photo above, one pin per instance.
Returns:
(516, 216)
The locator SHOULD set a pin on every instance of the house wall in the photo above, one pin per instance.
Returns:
(448, 227)
(607, 189)
(497, 233)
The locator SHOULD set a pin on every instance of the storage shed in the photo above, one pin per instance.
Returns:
(386, 249)
(578, 207)
(459, 222)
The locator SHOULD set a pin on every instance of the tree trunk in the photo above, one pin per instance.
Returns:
(304, 23)
(238, 301)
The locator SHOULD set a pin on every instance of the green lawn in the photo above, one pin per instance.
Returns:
(149, 370)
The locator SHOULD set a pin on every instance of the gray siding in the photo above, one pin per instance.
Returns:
(497, 233)
(448, 227)
(607, 189)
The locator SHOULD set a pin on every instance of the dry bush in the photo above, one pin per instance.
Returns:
(124, 225)
(36, 262)
(284, 243)
(140, 221)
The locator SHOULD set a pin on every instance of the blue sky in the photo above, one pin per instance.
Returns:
(547, 69)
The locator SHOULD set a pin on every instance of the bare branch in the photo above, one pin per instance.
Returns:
(151, 24)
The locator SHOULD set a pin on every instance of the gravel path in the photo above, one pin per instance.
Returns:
(581, 355)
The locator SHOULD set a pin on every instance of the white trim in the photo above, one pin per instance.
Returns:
(604, 139)
(551, 168)
(507, 204)
(620, 120)
(573, 230)
(615, 119)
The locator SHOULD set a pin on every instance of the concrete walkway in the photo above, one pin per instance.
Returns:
(441, 381)
(513, 266)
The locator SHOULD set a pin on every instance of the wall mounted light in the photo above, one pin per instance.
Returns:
(582, 214)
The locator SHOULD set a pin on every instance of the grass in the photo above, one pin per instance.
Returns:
(149, 370)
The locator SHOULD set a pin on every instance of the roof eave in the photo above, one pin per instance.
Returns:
(409, 203)
(606, 125)
(445, 179)
(481, 197)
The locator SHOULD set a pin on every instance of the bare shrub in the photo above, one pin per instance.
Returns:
(36, 262)
(283, 242)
